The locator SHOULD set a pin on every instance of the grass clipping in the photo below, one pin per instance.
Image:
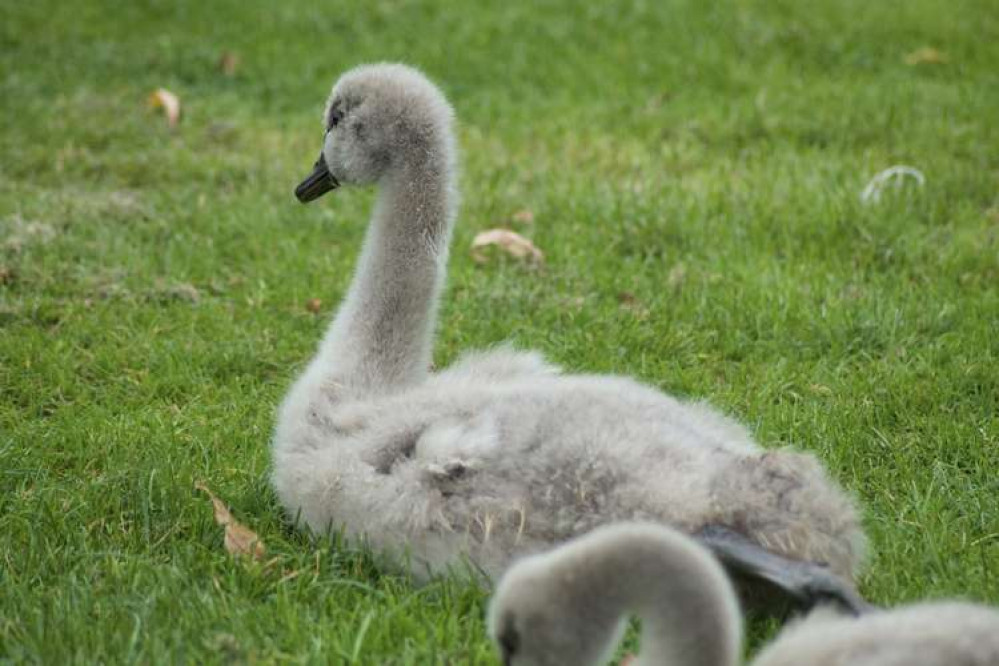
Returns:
(240, 540)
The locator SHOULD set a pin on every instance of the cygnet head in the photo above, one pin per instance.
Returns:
(542, 614)
(381, 120)
(569, 605)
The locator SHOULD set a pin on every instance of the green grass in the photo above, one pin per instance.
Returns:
(153, 283)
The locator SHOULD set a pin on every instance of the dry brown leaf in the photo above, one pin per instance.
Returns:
(926, 56)
(630, 302)
(239, 539)
(166, 100)
(228, 63)
(314, 305)
(524, 216)
(509, 241)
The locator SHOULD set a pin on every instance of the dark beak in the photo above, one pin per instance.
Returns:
(318, 183)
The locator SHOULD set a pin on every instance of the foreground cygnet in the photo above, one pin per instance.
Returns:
(568, 606)
(502, 454)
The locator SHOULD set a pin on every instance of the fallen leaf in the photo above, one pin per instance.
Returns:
(313, 305)
(926, 56)
(228, 63)
(166, 100)
(6, 275)
(239, 539)
(524, 216)
(509, 241)
(631, 303)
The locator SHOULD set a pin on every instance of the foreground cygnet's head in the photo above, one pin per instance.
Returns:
(544, 613)
(380, 118)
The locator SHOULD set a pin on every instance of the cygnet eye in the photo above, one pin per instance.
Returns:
(336, 115)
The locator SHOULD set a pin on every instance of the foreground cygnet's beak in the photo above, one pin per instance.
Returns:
(318, 183)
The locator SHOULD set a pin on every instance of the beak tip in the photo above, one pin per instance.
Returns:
(317, 183)
(301, 194)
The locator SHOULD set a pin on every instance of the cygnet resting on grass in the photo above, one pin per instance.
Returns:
(502, 453)
(569, 606)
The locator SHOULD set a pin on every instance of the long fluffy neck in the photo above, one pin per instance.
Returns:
(689, 612)
(381, 338)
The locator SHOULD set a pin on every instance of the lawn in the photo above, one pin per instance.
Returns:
(691, 171)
